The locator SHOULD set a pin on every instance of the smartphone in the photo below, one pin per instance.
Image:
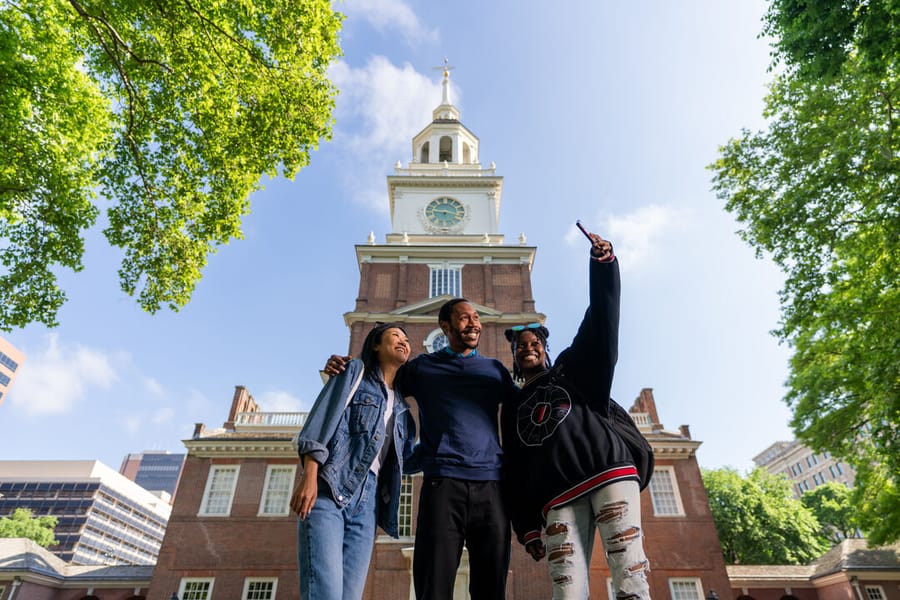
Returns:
(584, 231)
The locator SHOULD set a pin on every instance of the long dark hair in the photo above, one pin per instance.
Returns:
(369, 355)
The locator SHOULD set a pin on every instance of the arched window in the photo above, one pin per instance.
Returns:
(445, 149)
(423, 155)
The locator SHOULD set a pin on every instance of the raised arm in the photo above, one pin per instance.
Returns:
(590, 361)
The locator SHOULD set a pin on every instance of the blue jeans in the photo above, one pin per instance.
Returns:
(616, 511)
(334, 545)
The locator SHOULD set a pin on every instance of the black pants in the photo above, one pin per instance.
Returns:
(453, 512)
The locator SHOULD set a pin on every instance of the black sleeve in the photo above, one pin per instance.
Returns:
(524, 516)
(590, 361)
(404, 378)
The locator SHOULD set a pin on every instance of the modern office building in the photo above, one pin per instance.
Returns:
(156, 471)
(103, 518)
(11, 359)
(231, 534)
(804, 468)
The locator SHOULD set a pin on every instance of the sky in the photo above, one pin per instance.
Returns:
(607, 112)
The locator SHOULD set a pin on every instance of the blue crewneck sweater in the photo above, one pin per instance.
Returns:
(458, 399)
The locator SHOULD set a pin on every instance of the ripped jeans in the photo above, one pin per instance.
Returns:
(616, 511)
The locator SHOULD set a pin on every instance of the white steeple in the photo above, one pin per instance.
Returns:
(445, 191)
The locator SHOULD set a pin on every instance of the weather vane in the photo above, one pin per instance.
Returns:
(446, 68)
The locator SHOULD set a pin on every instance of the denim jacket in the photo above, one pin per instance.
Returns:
(345, 442)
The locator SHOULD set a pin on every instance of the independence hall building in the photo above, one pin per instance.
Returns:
(231, 535)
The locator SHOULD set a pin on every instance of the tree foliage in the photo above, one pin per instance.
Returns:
(22, 524)
(758, 520)
(169, 111)
(832, 506)
(819, 192)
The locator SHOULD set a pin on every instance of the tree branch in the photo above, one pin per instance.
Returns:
(117, 38)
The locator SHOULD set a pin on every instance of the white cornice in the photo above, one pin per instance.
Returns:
(240, 448)
(459, 253)
(674, 449)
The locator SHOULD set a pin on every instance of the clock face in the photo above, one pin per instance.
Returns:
(444, 212)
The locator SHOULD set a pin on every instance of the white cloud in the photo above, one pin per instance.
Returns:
(392, 102)
(52, 381)
(279, 401)
(643, 234)
(380, 108)
(390, 15)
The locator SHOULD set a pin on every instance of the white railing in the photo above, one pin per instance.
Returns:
(270, 420)
(642, 420)
(438, 169)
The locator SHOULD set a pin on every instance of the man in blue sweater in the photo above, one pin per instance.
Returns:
(458, 393)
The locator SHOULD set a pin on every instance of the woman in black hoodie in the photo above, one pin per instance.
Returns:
(567, 470)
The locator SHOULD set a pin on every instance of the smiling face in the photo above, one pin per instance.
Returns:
(393, 348)
(463, 330)
(530, 354)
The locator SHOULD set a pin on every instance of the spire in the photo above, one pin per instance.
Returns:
(445, 84)
(446, 110)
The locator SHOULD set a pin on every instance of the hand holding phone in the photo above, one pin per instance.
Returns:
(600, 248)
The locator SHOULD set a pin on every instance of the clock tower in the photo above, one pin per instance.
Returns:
(444, 243)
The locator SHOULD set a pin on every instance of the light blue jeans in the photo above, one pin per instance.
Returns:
(334, 544)
(616, 511)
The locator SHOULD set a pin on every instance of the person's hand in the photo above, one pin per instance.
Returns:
(307, 489)
(336, 364)
(600, 248)
(536, 549)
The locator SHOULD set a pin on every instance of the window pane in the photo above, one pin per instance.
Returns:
(446, 280)
(684, 590)
(406, 502)
(196, 590)
(662, 492)
(260, 590)
(874, 593)
(218, 499)
(278, 492)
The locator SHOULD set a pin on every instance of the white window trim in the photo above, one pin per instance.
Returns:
(446, 266)
(205, 499)
(675, 490)
(880, 589)
(698, 585)
(186, 580)
(249, 580)
(265, 492)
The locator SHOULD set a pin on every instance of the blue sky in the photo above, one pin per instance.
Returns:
(606, 112)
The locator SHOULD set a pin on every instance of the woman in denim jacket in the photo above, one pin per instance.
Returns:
(352, 451)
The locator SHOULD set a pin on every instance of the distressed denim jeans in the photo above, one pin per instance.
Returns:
(334, 545)
(615, 511)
